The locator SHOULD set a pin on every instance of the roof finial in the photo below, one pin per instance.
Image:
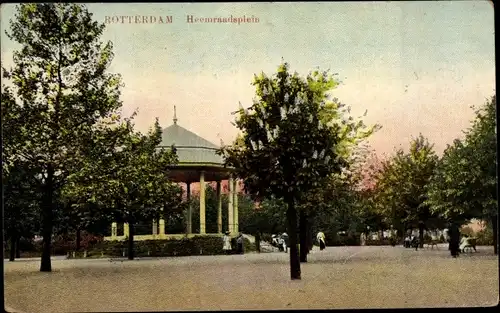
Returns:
(175, 116)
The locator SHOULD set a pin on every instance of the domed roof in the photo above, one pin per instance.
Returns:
(191, 148)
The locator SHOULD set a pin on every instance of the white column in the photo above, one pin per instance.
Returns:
(155, 228)
(219, 208)
(162, 226)
(114, 230)
(161, 223)
(202, 202)
(235, 207)
(230, 206)
(125, 229)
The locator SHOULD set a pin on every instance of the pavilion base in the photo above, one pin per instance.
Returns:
(160, 237)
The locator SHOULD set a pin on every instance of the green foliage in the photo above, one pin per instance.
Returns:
(269, 217)
(285, 148)
(400, 191)
(372, 218)
(59, 83)
(464, 184)
(335, 207)
(248, 246)
(334, 240)
(131, 184)
(60, 92)
(352, 131)
(198, 245)
(449, 192)
(21, 201)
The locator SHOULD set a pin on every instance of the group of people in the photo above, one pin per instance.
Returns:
(457, 243)
(227, 247)
(280, 241)
(411, 241)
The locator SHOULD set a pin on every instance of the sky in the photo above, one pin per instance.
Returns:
(417, 67)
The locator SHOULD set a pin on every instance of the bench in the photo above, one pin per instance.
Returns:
(431, 243)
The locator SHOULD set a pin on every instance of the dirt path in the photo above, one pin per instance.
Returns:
(346, 277)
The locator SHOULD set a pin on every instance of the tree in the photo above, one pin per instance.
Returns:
(20, 205)
(285, 149)
(130, 185)
(267, 218)
(336, 207)
(448, 191)
(351, 132)
(79, 207)
(62, 90)
(464, 185)
(482, 141)
(371, 212)
(401, 187)
(342, 202)
(371, 218)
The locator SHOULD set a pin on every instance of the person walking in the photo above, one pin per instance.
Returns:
(284, 236)
(321, 240)
(446, 236)
(226, 243)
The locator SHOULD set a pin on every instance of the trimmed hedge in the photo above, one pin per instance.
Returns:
(343, 241)
(30, 248)
(95, 248)
(198, 245)
(266, 237)
(378, 242)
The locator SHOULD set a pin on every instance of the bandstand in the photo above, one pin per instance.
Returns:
(198, 162)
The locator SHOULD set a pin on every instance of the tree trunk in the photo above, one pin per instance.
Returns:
(78, 239)
(291, 216)
(309, 236)
(401, 233)
(47, 216)
(303, 237)
(130, 241)
(18, 247)
(421, 227)
(494, 224)
(257, 241)
(12, 252)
